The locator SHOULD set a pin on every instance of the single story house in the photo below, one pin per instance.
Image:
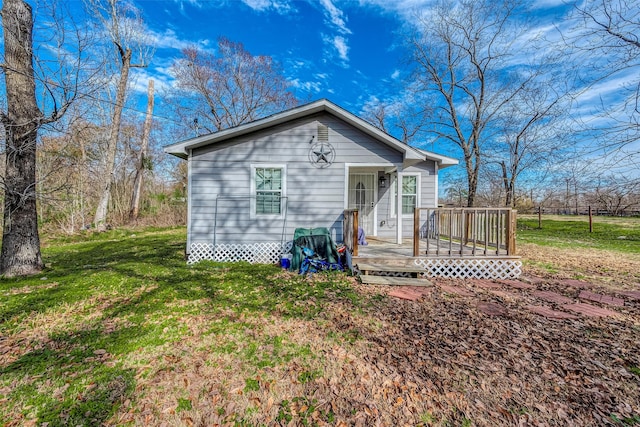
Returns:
(251, 186)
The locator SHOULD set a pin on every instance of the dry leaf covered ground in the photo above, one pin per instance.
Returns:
(240, 345)
(437, 361)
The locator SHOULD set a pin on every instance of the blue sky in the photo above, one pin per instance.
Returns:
(342, 51)
(349, 51)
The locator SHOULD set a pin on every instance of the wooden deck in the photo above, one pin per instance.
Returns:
(397, 265)
(387, 248)
(446, 233)
(481, 245)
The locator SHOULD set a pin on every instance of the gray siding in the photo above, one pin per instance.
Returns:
(221, 174)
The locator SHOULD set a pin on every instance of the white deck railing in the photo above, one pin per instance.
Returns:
(464, 232)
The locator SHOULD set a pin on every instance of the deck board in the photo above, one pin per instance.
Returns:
(382, 267)
(394, 281)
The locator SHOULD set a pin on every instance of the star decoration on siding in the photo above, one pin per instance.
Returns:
(321, 154)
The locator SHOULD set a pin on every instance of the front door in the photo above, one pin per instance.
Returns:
(362, 197)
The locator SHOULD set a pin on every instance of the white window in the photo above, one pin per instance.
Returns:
(410, 194)
(268, 190)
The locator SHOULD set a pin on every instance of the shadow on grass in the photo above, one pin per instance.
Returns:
(139, 285)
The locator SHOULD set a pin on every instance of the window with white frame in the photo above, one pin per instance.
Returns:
(409, 194)
(268, 189)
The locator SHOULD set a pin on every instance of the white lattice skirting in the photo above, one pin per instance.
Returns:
(254, 253)
(477, 268)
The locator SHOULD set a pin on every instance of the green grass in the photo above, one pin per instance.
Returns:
(614, 234)
(74, 335)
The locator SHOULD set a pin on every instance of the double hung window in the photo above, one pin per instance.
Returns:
(268, 189)
(409, 194)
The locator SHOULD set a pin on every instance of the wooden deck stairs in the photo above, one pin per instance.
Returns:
(390, 271)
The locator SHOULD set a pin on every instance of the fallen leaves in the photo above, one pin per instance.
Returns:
(447, 359)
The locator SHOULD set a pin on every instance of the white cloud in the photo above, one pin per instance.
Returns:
(607, 89)
(162, 79)
(170, 40)
(335, 19)
(280, 6)
(395, 74)
(195, 3)
(306, 86)
(548, 4)
(337, 46)
(405, 8)
(335, 16)
(340, 44)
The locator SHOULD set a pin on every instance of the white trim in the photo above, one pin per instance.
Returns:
(418, 176)
(439, 159)
(283, 191)
(399, 209)
(378, 167)
(189, 200)
(375, 203)
(394, 212)
(437, 190)
(374, 192)
(346, 187)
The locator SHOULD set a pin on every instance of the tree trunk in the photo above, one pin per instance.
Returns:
(508, 186)
(100, 219)
(144, 146)
(472, 164)
(20, 253)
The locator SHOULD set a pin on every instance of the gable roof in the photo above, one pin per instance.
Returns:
(181, 149)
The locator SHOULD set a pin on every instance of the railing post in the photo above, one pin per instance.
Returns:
(355, 233)
(511, 232)
(416, 232)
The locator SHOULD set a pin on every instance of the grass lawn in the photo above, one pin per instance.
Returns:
(120, 331)
(566, 231)
(564, 245)
(78, 341)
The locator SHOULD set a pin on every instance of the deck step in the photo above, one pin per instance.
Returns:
(362, 266)
(394, 281)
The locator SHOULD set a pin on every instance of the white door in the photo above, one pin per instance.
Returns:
(362, 197)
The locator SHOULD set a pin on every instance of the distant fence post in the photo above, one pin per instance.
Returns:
(590, 221)
(539, 217)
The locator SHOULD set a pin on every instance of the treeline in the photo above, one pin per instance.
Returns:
(614, 195)
(70, 169)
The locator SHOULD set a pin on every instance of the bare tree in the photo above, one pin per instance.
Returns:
(229, 88)
(532, 137)
(143, 157)
(460, 55)
(606, 41)
(22, 121)
(403, 117)
(66, 177)
(615, 194)
(125, 28)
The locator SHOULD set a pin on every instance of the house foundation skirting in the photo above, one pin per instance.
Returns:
(254, 253)
(471, 268)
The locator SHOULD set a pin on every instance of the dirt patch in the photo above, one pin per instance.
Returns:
(613, 269)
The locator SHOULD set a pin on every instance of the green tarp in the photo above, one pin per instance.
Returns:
(318, 240)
